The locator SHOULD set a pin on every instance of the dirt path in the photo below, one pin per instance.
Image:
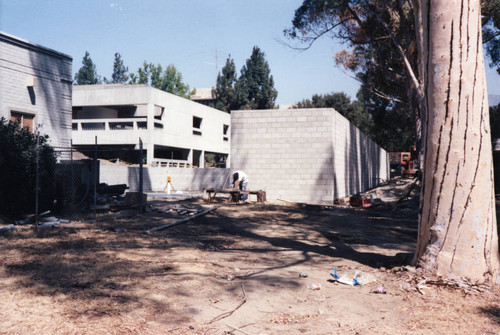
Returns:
(111, 278)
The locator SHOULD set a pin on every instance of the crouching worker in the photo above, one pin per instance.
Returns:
(240, 181)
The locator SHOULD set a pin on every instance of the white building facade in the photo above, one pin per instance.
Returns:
(35, 88)
(175, 131)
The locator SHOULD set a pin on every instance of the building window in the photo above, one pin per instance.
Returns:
(197, 125)
(225, 129)
(24, 120)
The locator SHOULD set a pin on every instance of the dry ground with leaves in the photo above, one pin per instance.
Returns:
(109, 277)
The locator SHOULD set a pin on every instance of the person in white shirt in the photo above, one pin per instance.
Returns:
(240, 181)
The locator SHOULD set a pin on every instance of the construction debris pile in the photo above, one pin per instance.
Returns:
(109, 197)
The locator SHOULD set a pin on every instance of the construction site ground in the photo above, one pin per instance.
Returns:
(235, 270)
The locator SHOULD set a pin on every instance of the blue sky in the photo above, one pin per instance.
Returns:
(194, 35)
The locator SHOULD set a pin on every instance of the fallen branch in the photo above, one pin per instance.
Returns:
(236, 328)
(421, 285)
(407, 195)
(226, 314)
(168, 225)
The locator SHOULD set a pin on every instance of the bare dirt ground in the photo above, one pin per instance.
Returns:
(234, 270)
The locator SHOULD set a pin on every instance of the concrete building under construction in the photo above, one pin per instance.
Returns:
(305, 155)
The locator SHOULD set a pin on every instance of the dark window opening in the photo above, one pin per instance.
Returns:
(24, 120)
(197, 122)
(197, 125)
(94, 126)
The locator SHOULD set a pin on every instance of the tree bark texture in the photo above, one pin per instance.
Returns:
(457, 224)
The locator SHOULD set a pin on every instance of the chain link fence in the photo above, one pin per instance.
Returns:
(91, 179)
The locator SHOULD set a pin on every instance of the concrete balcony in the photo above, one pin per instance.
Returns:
(159, 162)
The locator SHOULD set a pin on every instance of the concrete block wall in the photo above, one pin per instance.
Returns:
(50, 99)
(304, 155)
(359, 163)
(287, 153)
(155, 179)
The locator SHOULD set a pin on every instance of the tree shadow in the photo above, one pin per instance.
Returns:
(345, 240)
(493, 312)
(90, 271)
(96, 266)
(51, 96)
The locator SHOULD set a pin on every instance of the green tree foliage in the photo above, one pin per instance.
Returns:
(255, 86)
(254, 89)
(382, 54)
(120, 72)
(490, 10)
(18, 170)
(354, 111)
(168, 80)
(87, 75)
(224, 91)
(393, 127)
(142, 75)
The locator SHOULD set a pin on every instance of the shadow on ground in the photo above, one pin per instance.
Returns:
(111, 267)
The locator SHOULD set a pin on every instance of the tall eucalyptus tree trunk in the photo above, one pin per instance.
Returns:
(457, 224)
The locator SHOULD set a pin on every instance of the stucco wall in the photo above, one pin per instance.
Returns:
(304, 155)
(50, 99)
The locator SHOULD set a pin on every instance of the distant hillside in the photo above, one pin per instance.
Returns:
(493, 99)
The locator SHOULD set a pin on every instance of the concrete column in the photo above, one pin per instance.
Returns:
(202, 159)
(149, 141)
(190, 157)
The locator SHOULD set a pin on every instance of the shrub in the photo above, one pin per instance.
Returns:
(18, 170)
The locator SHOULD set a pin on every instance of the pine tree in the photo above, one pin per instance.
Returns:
(255, 87)
(224, 89)
(120, 71)
(87, 75)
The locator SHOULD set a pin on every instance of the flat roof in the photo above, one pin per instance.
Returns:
(109, 86)
(8, 38)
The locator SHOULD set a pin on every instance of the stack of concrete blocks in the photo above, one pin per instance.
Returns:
(305, 155)
(37, 81)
